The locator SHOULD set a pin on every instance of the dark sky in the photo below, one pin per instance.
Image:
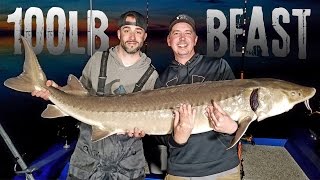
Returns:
(159, 11)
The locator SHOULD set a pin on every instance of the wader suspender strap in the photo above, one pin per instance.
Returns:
(103, 73)
(144, 78)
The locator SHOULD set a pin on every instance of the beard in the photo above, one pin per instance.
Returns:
(130, 48)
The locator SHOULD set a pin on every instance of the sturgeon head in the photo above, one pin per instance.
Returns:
(271, 97)
(277, 96)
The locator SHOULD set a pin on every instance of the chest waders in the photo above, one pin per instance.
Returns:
(103, 75)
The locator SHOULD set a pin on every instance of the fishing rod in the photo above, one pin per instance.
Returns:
(17, 156)
(91, 28)
(147, 19)
(243, 53)
(243, 48)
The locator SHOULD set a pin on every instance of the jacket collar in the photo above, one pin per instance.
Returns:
(190, 63)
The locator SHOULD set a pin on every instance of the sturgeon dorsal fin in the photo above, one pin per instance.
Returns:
(98, 134)
(243, 126)
(52, 111)
(74, 86)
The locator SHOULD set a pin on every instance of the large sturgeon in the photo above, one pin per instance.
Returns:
(151, 111)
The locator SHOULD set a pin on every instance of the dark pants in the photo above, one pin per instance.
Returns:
(233, 174)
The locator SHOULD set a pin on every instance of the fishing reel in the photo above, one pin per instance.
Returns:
(248, 139)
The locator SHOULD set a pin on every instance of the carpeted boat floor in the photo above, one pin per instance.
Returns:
(269, 163)
(262, 163)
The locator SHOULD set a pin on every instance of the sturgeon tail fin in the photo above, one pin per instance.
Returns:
(32, 78)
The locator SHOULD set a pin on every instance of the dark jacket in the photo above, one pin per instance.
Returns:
(204, 154)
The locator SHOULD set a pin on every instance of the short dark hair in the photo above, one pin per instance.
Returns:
(182, 18)
(140, 20)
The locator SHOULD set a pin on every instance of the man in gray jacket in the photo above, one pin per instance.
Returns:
(118, 156)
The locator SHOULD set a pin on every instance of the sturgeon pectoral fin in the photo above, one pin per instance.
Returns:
(98, 134)
(52, 111)
(243, 126)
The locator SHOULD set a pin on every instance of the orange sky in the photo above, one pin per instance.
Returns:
(7, 43)
(82, 25)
